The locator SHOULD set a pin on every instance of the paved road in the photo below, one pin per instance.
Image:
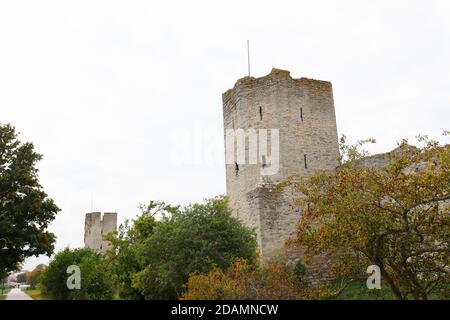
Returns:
(17, 294)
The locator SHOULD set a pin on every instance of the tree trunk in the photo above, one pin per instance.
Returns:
(394, 288)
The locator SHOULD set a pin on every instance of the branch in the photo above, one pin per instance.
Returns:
(428, 250)
(387, 209)
(437, 199)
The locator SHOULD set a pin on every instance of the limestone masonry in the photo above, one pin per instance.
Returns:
(95, 228)
(303, 111)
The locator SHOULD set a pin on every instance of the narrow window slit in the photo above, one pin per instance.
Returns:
(306, 164)
(301, 114)
(260, 113)
(236, 168)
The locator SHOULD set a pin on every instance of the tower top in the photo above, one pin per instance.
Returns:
(273, 77)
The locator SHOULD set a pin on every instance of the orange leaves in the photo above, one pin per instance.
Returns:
(272, 281)
(384, 213)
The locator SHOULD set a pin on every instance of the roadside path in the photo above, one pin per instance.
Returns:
(17, 294)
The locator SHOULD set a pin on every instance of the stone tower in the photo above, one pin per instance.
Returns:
(95, 228)
(303, 112)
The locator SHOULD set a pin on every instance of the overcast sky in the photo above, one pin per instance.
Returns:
(123, 98)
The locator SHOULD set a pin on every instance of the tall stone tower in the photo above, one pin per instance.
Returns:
(95, 228)
(303, 112)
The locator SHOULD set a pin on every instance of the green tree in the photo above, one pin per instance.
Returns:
(198, 238)
(21, 277)
(25, 209)
(34, 277)
(395, 217)
(95, 280)
(123, 258)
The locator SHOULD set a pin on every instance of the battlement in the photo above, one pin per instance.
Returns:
(275, 76)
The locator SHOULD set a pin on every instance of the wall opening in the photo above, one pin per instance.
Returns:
(301, 114)
(306, 164)
(260, 113)
(236, 168)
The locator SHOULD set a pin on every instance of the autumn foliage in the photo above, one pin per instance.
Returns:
(395, 217)
(273, 280)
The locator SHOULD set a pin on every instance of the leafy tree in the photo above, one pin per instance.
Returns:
(25, 209)
(95, 281)
(123, 258)
(34, 277)
(198, 238)
(395, 217)
(21, 277)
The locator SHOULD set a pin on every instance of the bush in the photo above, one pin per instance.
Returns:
(95, 283)
(243, 281)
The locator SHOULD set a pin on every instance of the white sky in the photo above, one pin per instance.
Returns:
(112, 91)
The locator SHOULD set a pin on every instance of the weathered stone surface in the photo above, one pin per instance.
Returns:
(95, 228)
(382, 159)
(303, 111)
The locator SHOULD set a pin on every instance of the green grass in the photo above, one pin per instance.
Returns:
(36, 294)
(5, 292)
(358, 291)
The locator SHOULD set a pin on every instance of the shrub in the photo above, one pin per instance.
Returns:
(95, 283)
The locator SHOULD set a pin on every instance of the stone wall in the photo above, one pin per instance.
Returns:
(382, 159)
(303, 111)
(95, 228)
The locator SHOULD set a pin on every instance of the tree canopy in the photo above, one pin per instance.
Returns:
(395, 217)
(154, 258)
(25, 209)
(123, 259)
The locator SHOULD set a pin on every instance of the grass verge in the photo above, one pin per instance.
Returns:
(36, 294)
(5, 292)
(358, 291)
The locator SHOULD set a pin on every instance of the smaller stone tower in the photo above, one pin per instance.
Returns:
(95, 228)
